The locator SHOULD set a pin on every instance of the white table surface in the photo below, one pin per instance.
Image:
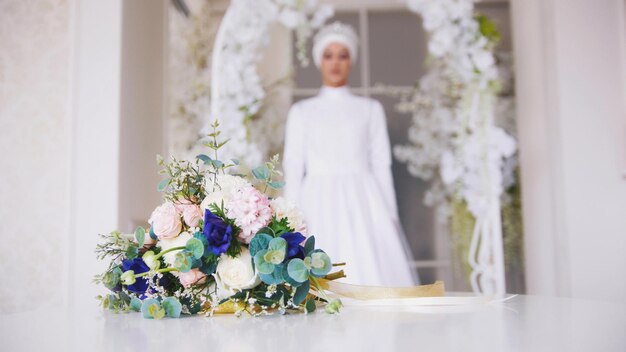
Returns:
(525, 323)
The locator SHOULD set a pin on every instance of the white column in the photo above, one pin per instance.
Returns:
(570, 119)
(116, 127)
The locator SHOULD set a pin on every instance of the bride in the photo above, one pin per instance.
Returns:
(337, 164)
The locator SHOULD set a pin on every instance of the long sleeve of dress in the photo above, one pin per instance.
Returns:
(380, 157)
(294, 153)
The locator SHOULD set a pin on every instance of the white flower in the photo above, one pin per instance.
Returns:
(235, 274)
(284, 208)
(225, 188)
(166, 244)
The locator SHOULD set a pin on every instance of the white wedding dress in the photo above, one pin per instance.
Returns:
(337, 164)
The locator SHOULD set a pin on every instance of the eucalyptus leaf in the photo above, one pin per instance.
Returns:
(151, 309)
(235, 161)
(135, 304)
(260, 242)
(261, 265)
(275, 278)
(163, 184)
(276, 184)
(277, 244)
(320, 263)
(217, 164)
(183, 261)
(205, 158)
(310, 306)
(261, 173)
(172, 307)
(309, 245)
(301, 293)
(132, 251)
(297, 270)
(140, 236)
(195, 247)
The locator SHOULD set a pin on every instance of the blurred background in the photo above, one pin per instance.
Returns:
(92, 90)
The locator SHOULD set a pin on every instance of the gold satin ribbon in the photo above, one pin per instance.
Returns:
(358, 292)
(381, 292)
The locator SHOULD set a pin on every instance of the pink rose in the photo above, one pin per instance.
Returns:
(165, 221)
(192, 214)
(192, 277)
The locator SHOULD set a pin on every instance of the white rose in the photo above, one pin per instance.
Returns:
(235, 274)
(179, 241)
(284, 208)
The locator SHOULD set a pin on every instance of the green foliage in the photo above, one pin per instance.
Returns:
(275, 277)
(135, 304)
(183, 179)
(309, 306)
(261, 173)
(319, 263)
(260, 241)
(195, 247)
(280, 227)
(333, 306)
(297, 270)
(309, 245)
(140, 236)
(183, 261)
(151, 309)
(268, 173)
(261, 265)
(172, 307)
(301, 293)
(132, 251)
(116, 302)
(112, 277)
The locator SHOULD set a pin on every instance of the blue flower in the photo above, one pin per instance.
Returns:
(138, 266)
(217, 233)
(294, 249)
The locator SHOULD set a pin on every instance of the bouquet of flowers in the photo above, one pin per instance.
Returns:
(218, 244)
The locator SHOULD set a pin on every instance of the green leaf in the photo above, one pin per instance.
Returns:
(278, 244)
(301, 293)
(310, 306)
(276, 184)
(183, 261)
(151, 309)
(288, 279)
(260, 242)
(132, 251)
(333, 306)
(140, 236)
(111, 278)
(275, 278)
(274, 256)
(320, 263)
(205, 158)
(217, 164)
(261, 265)
(135, 304)
(172, 307)
(235, 161)
(195, 247)
(163, 184)
(309, 245)
(261, 173)
(297, 270)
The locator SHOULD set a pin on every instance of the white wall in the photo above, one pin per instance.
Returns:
(571, 124)
(35, 69)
